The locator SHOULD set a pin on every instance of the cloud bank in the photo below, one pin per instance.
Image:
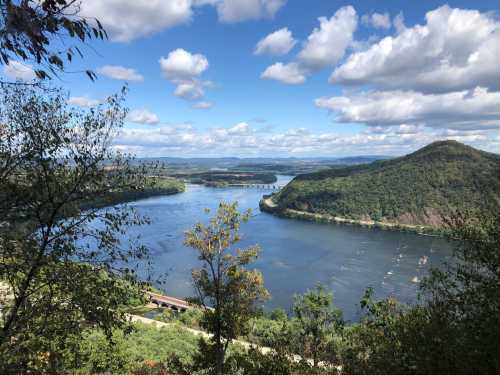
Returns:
(244, 140)
(442, 74)
(128, 20)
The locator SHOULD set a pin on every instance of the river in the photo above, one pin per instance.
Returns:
(296, 255)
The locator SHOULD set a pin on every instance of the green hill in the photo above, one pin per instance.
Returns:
(416, 189)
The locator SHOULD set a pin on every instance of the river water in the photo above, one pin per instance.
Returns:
(296, 255)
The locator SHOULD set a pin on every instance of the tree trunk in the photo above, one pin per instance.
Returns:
(219, 370)
(315, 355)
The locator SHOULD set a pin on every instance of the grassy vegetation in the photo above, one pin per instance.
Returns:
(417, 189)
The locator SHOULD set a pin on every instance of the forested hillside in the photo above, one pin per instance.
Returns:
(417, 189)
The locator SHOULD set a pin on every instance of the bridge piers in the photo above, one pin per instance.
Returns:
(171, 303)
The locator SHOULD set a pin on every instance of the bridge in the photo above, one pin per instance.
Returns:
(259, 186)
(172, 303)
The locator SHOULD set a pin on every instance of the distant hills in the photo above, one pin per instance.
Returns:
(287, 166)
(416, 189)
(265, 160)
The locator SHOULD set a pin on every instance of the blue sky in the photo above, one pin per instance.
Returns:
(371, 78)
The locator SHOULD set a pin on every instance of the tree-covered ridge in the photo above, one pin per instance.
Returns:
(155, 186)
(416, 189)
(226, 178)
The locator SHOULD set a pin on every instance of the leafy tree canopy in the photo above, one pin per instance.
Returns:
(64, 266)
(228, 291)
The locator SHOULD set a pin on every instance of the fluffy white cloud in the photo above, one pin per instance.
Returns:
(120, 73)
(277, 43)
(16, 70)
(469, 109)
(143, 116)
(126, 20)
(182, 68)
(327, 44)
(455, 50)
(83, 101)
(377, 20)
(181, 64)
(242, 10)
(291, 73)
(203, 105)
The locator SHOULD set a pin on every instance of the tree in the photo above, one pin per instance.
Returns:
(372, 346)
(228, 291)
(318, 320)
(467, 293)
(28, 29)
(455, 327)
(64, 266)
(278, 314)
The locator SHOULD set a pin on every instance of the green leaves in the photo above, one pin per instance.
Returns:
(454, 328)
(228, 291)
(66, 271)
(29, 29)
(318, 320)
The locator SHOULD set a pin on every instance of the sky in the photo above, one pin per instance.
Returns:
(298, 78)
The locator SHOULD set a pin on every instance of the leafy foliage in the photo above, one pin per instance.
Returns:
(224, 283)
(417, 189)
(454, 331)
(63, 271)
(28, 29)
(144, 350)
(318, 321)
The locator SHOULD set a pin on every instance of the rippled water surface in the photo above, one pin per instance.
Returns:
(295, 254)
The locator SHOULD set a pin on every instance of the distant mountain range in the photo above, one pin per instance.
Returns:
(288, 166)
(418, 189)
(266, 160)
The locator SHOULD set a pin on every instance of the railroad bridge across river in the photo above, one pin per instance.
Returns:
(259, 186)
(172, 303)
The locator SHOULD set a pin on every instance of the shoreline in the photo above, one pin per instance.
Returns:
(132, 196)
(266, 204)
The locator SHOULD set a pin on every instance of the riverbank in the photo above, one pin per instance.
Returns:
(162, 186)
(267, 204)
